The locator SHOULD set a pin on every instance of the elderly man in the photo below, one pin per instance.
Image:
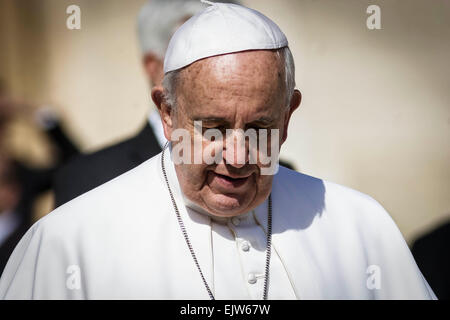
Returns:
(157, 21)
(179, 228)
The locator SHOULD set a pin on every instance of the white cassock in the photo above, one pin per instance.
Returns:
(122, 241)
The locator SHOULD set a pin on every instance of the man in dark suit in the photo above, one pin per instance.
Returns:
(91, 170)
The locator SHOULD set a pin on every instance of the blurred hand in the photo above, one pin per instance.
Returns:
(10, 107)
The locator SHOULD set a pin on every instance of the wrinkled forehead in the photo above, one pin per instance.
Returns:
(245, 84)
(238, 62)
(256, 69)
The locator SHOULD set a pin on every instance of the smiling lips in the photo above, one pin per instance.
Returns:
(228, 182)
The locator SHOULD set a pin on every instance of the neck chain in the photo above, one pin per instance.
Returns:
(191, 249)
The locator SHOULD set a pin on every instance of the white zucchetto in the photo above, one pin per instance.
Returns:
(220, 29)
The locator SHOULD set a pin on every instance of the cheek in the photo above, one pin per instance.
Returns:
(194, 176)
(263, 180)
(263, 186)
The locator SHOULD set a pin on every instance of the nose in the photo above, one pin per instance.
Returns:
(236, 150)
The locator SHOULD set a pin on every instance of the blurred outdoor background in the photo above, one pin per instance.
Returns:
(375, 114)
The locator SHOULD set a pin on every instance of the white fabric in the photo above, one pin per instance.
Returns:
(219, 29)
(125, 239)
(239, 253)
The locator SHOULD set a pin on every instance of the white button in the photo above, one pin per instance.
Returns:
(251, 278)
(235, 221)
(245, 246)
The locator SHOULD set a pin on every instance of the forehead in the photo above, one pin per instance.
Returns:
(244, 82)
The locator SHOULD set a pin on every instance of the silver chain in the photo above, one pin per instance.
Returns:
(191, 249)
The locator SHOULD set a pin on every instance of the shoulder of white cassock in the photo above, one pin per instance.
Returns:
(123, 238)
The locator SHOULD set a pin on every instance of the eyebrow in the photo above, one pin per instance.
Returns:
(210, 119)
(264, 120)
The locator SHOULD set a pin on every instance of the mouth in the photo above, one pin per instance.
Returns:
(229, 182)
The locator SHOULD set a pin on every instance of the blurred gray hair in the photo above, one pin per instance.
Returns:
(171, 79)
(158, 20)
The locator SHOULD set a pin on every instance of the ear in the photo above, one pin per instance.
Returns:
(153, 66)
(165, 111)
(296, 99)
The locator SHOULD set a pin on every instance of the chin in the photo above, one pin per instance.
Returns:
(225, 206)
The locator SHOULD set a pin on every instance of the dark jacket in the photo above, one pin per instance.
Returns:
(88, 171)
(432, 254)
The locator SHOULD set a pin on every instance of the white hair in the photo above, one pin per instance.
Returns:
(158, 20)
(171, 79)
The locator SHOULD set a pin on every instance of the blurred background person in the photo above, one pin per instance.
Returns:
(13, 222)
(20, 183)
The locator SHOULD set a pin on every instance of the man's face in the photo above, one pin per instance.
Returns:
(243, 90)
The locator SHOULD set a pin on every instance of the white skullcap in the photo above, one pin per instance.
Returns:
(219, 29)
